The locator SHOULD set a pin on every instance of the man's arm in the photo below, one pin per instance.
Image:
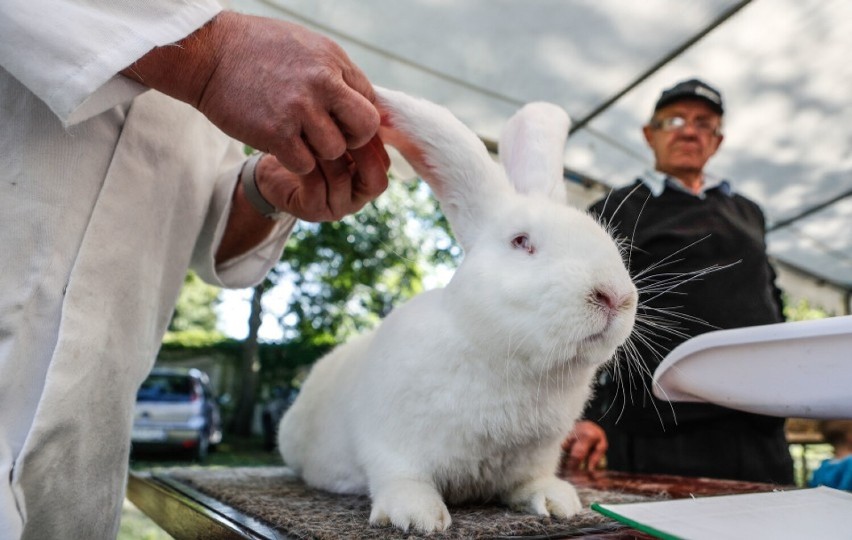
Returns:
(289, 92)
(585, 447)
(333, 189)
(271, 84)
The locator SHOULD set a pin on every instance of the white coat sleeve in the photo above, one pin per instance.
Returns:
(68, 52)
(248, 269)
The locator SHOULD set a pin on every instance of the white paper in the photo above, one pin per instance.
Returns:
(796, 514)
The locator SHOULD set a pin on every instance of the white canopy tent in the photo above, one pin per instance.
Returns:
(782, 67)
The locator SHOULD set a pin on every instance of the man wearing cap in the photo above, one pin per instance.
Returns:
(679, 222)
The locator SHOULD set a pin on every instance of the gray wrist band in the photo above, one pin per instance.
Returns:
(252, 194)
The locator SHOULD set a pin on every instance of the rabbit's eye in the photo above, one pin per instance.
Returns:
(522, 241)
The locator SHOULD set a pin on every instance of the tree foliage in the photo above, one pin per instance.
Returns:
(802, 310)
(347, 275)
(194, 319)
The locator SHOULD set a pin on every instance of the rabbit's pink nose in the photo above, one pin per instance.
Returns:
(609, 300)
(604, 299)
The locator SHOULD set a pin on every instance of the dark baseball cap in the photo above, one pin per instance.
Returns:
(691, 89)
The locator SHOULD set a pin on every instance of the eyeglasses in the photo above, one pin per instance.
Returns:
(703, 126)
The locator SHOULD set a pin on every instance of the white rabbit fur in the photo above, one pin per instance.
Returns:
(466, 392)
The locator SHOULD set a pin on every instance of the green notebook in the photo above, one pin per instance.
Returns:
(794, 514)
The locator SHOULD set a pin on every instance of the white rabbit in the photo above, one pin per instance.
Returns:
(466, 392)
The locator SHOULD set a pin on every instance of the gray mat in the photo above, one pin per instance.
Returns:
(270, 495)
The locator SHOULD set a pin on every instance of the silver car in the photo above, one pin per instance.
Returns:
(176, 409)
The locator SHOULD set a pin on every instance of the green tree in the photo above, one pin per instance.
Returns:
(347, 275)
(249, 382)
(802, 310)
(194, 319)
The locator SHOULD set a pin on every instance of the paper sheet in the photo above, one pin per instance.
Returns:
(796, 514)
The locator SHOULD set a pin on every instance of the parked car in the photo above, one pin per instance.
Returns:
(176, 409)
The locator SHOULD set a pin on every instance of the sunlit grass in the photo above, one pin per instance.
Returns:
(137, 526)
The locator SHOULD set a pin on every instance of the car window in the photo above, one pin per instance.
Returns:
(172, 388)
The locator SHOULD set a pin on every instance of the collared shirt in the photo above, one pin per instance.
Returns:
(657, 182)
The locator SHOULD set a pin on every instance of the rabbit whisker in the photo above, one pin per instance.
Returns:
(669, 257)
(645, 370)
(651, 325)
(617, 208)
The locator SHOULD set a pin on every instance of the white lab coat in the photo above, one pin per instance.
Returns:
(108, 193)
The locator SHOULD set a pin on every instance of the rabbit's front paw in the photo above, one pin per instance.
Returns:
(410, 504)
(546, 497)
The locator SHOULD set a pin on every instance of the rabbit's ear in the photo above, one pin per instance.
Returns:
(447, 155)
(532, 147)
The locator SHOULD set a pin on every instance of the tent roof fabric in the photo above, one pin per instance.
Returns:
(781, 65)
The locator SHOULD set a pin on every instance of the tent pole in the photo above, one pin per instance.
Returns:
(808, 211)
(579, 124)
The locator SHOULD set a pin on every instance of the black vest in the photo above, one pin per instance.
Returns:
(677, 234)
